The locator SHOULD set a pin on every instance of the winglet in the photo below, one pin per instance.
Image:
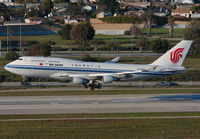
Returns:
(113, 60)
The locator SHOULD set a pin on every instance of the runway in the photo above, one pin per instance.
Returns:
(99, 104)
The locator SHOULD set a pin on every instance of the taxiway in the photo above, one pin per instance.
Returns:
(100, 104)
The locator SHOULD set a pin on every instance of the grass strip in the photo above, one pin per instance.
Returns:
(102, 92)
(105, 129)
(100, 115)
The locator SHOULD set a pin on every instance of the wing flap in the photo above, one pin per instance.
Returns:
(114, 74)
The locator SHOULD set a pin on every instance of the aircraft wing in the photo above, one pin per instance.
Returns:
(100, 75)
(94, 75)
(114, 74)
(113, 60)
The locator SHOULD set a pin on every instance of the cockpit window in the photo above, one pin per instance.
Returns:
(20, 59)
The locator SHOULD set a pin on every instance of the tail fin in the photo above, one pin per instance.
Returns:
(175, 56)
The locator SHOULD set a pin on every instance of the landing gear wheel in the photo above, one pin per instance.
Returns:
(94, 84)
(92, 88)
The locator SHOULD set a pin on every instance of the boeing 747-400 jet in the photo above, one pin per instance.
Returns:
(93, 74)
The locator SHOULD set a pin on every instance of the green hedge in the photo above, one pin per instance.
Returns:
(122, 19)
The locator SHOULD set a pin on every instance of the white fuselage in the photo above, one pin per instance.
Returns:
(46, 67)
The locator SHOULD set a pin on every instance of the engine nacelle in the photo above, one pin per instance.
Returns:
(108, 79)
(79, 80)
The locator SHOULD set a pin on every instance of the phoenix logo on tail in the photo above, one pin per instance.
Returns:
(176, 55)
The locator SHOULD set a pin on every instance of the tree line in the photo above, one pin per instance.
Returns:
(80, 33)
(83, 33)
(122, 19)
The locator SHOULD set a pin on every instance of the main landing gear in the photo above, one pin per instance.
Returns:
(25, 81)
(93, 84)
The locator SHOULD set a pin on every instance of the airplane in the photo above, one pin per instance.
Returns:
(94, 74)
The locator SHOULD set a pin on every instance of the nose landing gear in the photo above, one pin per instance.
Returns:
(26, 81)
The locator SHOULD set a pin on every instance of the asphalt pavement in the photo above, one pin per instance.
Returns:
(100, 104)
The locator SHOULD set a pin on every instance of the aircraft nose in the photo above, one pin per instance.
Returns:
(6, 67)
(11, 67)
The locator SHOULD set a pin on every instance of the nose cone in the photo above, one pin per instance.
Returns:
(9, 67)
(6, 67)
(12, 67)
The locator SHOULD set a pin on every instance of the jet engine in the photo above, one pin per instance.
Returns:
(79, 80)
(109, 79)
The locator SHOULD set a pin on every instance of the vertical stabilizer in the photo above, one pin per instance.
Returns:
(175, 56)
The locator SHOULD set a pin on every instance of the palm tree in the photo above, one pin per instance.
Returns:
(147, 18)
(171, 25)
(149, 24)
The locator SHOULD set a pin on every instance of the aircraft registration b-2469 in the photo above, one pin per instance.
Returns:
(93, 74)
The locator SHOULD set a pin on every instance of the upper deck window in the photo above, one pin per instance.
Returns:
(37, 61)
(55, 61)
